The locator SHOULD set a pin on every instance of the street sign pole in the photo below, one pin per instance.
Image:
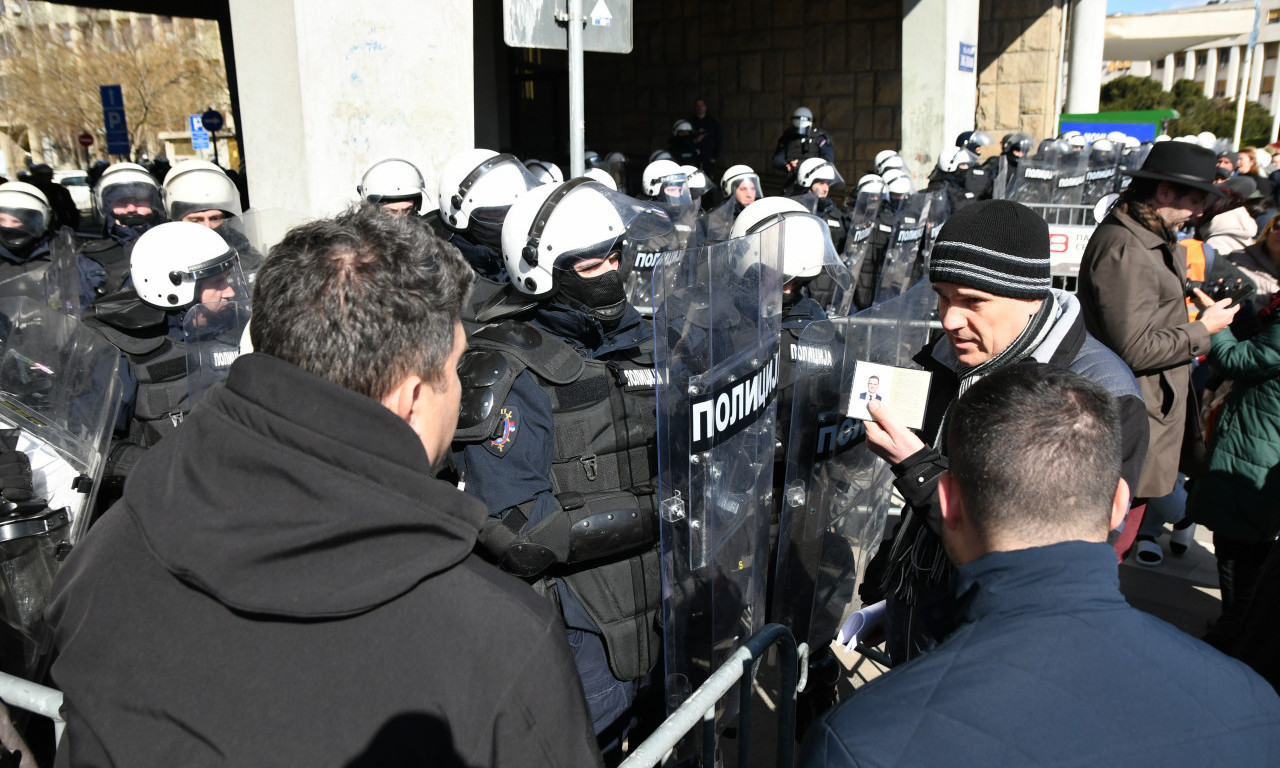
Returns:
(577, 118)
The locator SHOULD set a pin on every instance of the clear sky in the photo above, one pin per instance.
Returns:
(1148, 6)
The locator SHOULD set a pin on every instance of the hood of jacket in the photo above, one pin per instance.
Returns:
(285, 494)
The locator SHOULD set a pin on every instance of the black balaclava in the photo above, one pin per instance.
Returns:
(604, 297)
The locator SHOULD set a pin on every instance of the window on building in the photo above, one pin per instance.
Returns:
(1273, 16)
(1268, 83)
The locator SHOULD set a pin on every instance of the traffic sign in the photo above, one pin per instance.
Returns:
(114, 120)
(85, 139)
(212, 121)
(541, 24)
(199, 136)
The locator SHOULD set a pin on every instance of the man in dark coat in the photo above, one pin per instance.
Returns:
(1050, 666)
(284, 581)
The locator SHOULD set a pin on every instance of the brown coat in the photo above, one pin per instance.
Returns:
(1131, 292)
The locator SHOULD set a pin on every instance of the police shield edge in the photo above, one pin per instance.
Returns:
(837, 494)
(212, 334)
(716, 334)
(59, 393)
(62, 277)
(862, 221)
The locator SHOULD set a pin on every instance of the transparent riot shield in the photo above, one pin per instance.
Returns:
(59, 392)
(862, 221)
(718, 223)
(639, 257)
(1036, 181)
(937, 215)
(62, 278)
(837, 493)
(212, 334)
(902, 261)
(1068, 187)
(716, 340)
(1000, 181)
(1102, 176)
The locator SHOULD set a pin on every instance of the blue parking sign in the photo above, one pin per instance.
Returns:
(968, 57)
(113, 119)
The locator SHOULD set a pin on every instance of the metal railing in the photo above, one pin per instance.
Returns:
(701, 706)
(24, 694)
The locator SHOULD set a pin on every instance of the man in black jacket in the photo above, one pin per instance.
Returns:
(285, 582)
(1050, 665)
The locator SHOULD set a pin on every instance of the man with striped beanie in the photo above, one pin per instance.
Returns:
(990, 270)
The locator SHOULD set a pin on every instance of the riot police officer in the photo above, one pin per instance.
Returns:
(960, 178)
(802, 140)
(556, 433)
(174, 267)
(741, 187)
(681, 144)
(200, 192)
(128, 200)
(1013, 148)
(667, 185)
(476, 190)
(26, 226)
(818, 178)
(64, 208)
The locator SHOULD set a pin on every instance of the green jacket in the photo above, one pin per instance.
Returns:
(1239, 497)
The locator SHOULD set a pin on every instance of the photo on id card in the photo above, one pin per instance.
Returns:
(901, 392)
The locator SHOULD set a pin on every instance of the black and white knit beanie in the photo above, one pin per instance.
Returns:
(997, 246)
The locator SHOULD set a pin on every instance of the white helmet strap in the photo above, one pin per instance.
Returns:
(530, 252)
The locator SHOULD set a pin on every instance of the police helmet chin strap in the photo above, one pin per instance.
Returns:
(464, 186)
(530, 252)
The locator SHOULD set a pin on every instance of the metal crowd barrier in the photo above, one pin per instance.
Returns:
(33, 697)
(1074, 215)
(701, 706)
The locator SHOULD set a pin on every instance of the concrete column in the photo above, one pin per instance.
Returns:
(1233, 72)
(328, 87)
(938, 98)
(1210, 72)
(1170, 64)
(1189, 66)
(1088, 31)
(1255, 72)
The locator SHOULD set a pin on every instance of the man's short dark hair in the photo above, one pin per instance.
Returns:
(872, 376)
(363, 300)
(1035, 451)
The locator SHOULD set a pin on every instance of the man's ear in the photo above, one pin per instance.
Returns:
(1120, 504)
(949, 502)
(403, 396)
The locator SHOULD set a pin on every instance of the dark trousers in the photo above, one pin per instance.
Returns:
(1239, 564)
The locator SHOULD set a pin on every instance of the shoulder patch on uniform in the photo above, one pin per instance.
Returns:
(508, 427)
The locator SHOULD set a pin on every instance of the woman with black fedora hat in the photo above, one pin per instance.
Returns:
(1132, 294)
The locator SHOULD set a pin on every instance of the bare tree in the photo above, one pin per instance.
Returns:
(50, 74)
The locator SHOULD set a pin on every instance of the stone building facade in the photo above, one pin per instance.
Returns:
(1019, 49)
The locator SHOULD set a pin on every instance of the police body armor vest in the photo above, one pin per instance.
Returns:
(112, 257)
(601, 541)
(157, 361)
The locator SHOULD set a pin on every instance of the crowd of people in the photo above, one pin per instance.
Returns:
(417, 510)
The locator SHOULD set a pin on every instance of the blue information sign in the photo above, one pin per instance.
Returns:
(113, 120)
(1095, 131)
(199, 136)
(968, 57)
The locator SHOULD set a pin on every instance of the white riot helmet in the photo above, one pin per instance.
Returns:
(888, 160)
(897, 182)
(681, 126)
(199, 185)
(25, 215)
(393, 181)
(1206, 139)
(871, 184)
(1162, 137)
(657, 173)
(481, 184)
(544, 171)
(555, 227)
(696, 181)
(802, 119)
(128, 184)
(958, 156)
(660, 154)
(602, 176)
(591, 158)
(805, 238)
(178, 264)
(735, 175)
(817, 169)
